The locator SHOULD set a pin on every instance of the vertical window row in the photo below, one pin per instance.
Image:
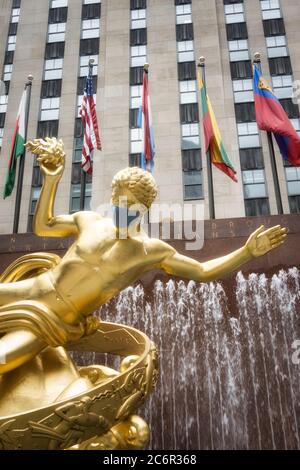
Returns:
(8, 62)
(89, 49)
(138, 58)
(50, 89)
(189, 108)
(282, 80)
(251, 155)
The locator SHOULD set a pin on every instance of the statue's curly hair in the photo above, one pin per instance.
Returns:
(139, 182)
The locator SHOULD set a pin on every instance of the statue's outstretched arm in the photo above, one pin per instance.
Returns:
(51, 158)
(259, 243)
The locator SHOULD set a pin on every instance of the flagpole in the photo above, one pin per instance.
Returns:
(28, 87)
(257, 61)
(83, 173)
(201, 65)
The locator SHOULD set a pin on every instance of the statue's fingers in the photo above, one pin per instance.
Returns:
(276, 245)
(272, 230)
(277, 240)
(258, 231)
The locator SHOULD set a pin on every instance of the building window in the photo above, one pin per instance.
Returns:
(291, 109)
(91, 11)
(59, 3)
(248, 135)
(188, 92)
(75, 197)
(190, 136)
(55, 50)
(90, 29)
(254, 184)
(49, 109)
(81, 85)
(182, 2)
(13, 28)
(9, 57)
(274, 27)
(133, 118)
(11, 43)
(58, 15)
(241, 69)
(136, 75)
(53, 69)
(183, 14)
(16, 3)
(234, 13)
(280, 66)
(243, 91)
(135, 96)
(252, 158)
(236, 31)
(185, 51)
(135, 159)
(138, 56)
(35, 194)
(189, 113)
(187, 71)
(84, 65)
(270, 9)
(1, 136)
(136, 140)
(245, 112)
(192, 174)
(138, 4)
(89, 47)
(47, 129)
(293, 180)
(138, 19)
(276, 46)
(192, 182)
(51, 89)
(88, 2)
(3, 103)
(138, 37)
(56, 32)
(184, 32)
(257, 207)
(283, 86)
(15, 15)
(238, 50)
(7, 72)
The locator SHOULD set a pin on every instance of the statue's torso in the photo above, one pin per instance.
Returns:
(98, 265)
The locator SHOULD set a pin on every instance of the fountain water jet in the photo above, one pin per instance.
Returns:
(227, 380)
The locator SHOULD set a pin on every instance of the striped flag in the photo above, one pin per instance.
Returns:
(213, 140)
(91, 137)
(271, 117)
(17, 146)
(145, 123)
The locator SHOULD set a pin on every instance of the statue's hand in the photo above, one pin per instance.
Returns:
(51, 155)
(262, 241)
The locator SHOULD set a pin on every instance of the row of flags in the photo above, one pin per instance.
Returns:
(270, 116)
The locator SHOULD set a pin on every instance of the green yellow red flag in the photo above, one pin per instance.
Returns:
(213, 139)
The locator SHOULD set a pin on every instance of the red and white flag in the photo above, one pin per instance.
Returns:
(91, 136)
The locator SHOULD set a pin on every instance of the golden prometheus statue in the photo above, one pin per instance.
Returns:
(46, 307)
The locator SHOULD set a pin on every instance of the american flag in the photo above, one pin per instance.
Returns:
(91, 138)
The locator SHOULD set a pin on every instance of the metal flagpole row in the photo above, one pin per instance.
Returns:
(28, 87)
(257, 61)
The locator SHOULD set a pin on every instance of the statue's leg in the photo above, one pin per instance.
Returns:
(14, 291)
(18, 347)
